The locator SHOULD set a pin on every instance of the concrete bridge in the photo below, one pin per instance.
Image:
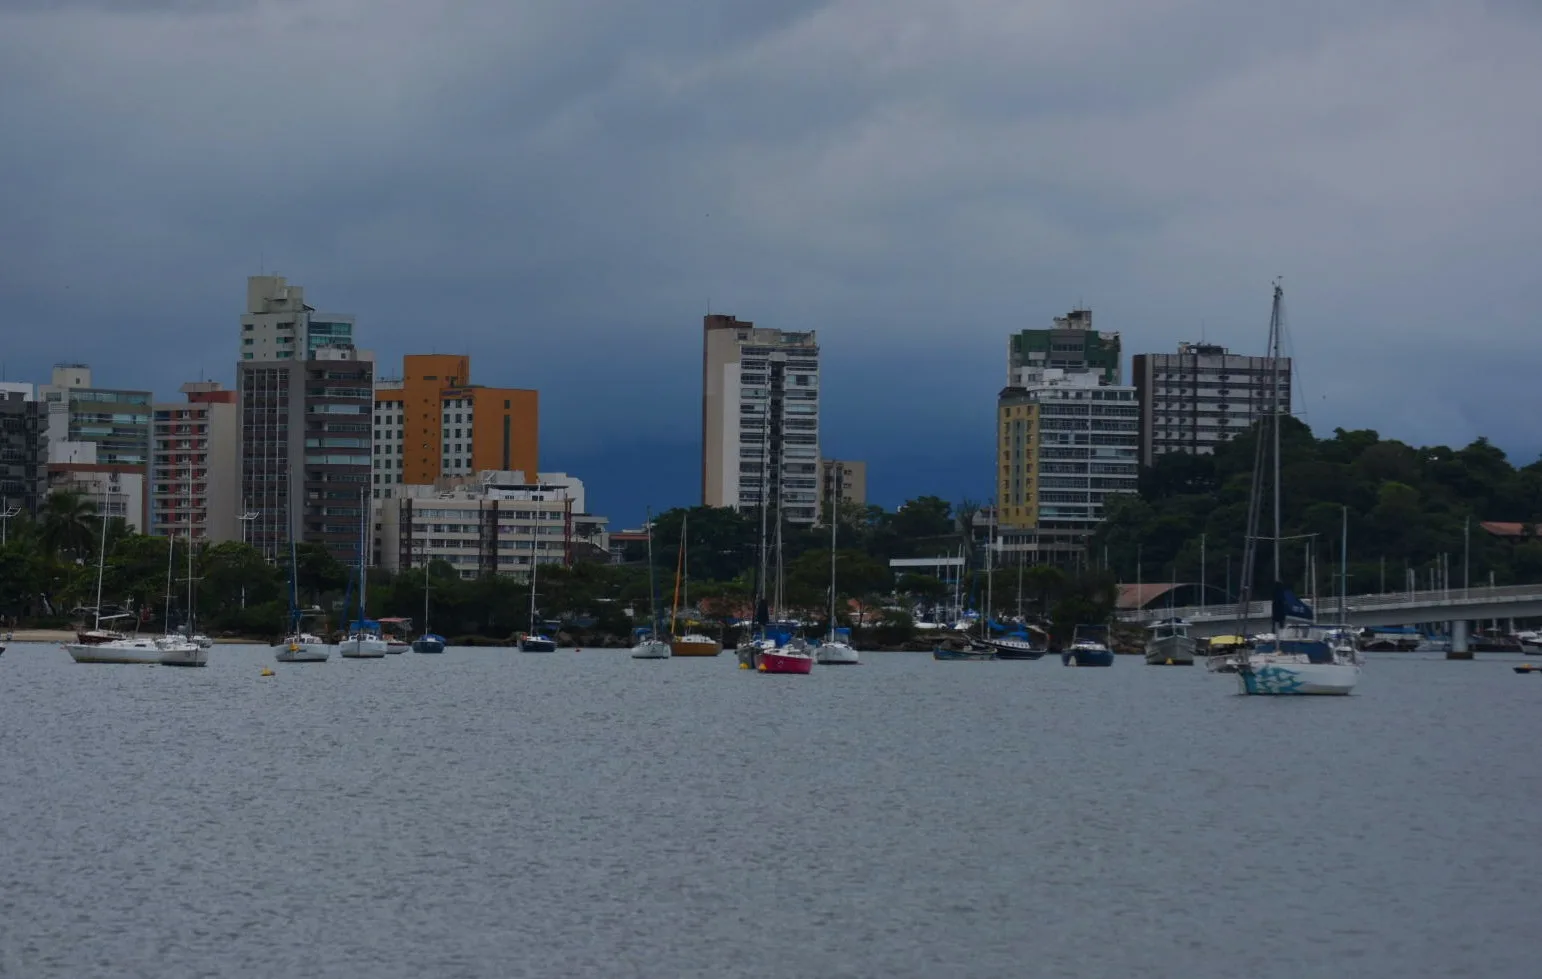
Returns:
(1457, 606)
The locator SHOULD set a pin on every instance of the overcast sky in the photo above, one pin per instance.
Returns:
(562, 188)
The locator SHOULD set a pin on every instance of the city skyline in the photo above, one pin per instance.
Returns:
(563, 195)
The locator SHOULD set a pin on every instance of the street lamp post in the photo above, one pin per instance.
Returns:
(5, 522)
(246, 521)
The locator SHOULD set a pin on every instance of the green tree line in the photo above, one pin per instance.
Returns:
(1409, 510)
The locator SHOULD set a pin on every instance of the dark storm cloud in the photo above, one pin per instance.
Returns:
(563, 188)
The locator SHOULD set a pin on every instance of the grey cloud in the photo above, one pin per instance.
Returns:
(554, 182)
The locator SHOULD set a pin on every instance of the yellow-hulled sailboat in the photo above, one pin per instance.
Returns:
(692, 643)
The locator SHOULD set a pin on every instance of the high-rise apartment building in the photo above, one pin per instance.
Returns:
(278, 325)
(1202, 396)
(760, 418)
(306, 415)
(843, 480)
(433, 422)
(195, 466)
(1072, 344)
(1066, 441)
(116, 423)
(23, 451)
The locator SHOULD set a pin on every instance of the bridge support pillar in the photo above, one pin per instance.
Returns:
(1459, 648)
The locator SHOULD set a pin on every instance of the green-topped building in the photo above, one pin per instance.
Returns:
(1071, 344)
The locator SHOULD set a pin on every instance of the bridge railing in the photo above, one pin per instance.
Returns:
(1327, 606)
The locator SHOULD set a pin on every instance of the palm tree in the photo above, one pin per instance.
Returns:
(67, 524)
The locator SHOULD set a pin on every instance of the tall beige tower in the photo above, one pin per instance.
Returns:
(759, 418)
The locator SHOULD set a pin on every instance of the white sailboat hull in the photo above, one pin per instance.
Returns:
(1265, 675)
(836, 654)
(362, 647)
(181, 652)
(295, 650)
(131, 652)
(651, 649)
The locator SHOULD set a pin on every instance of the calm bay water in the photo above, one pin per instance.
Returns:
(492, 813)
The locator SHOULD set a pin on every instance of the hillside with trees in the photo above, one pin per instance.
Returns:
(1407, 507)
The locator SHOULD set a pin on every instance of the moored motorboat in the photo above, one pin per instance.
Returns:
(973, 653)
(1086, 649)
(1017, 649)
(1170, 644)
(395, 647)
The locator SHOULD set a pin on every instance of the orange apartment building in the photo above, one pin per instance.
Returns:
(433, 422)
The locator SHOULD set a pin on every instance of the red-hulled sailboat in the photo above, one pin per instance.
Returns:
(795, 657)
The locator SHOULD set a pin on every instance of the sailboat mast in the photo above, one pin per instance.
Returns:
(363, 577)
(535, 561)
(1274, 412)
(425, 592)
(171, 550)
(990, 578)
(653, 597)
(101, 563)
(834, 482)
(674, 609)
(1343, 564)
(189, 552)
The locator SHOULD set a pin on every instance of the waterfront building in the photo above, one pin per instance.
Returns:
(195, 466)
(492, 522)
(760, 418)
(305, 418)
(1200, 397)
(1066, 441)
(1071, 344)
(432, 422)
(23, 450)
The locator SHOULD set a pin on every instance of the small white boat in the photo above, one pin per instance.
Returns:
(396, 647)
(178, 651)
(362, 645)
(131, 651)
(301, 647)
(836, 653)
(650, 648)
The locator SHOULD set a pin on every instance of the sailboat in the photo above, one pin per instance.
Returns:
(535, 641)
(831, 651)
(176, 649)
(650, 644)
(792, 654)
(362, 642)
(692, 643)
(428, 642)
(1016, 645)
(1297, 658)
(102, 646)
(298, 646)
